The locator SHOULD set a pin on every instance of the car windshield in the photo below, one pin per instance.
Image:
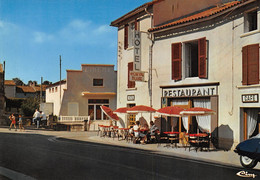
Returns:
(257, 136)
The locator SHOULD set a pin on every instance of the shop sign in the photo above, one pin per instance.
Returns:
(250, 98)
(137, 51)
(190, 91)
(136, 76)
(130, 97)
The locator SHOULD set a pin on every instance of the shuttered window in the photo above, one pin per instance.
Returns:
(176, 61)
(130, 84)
(202, 48)
(250, 64)
(126, 37)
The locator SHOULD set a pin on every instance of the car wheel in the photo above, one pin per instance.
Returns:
(247, 162)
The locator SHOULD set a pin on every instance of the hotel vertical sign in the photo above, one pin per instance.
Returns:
(137, 51)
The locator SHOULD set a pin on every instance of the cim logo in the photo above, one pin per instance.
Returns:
(246, 174)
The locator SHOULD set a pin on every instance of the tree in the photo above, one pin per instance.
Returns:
(46, 83)
(29, 105)
(18, 81)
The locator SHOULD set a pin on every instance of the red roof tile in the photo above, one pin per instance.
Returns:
(25, 89)
(9, 83)
(204, 14)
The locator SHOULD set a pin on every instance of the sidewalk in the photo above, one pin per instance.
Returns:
(217, 156)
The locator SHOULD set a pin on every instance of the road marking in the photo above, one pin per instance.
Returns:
(14, 175)
(52, 139)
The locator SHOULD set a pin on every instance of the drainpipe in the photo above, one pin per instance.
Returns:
(150, 77)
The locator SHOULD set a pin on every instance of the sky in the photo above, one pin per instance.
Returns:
(35, 33)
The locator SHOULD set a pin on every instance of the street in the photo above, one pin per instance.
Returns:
(48, 157)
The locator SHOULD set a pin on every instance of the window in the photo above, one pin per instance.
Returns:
(129, 34)
(56, 89)
(97, 82)
(130, 84)
(250, 23)
(195, 59)
(50, 90)
(94, 110)
(250, 64)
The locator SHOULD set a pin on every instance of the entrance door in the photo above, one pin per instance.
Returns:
(251, 118)
(131, 117)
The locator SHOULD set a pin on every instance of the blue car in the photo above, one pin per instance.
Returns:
(249, 151)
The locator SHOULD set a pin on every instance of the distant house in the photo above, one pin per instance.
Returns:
(19, 93)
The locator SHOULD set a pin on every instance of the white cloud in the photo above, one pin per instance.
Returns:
(40, 37)
(84, 32)
(104, 29)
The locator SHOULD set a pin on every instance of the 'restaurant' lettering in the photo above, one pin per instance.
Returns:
(189, 92)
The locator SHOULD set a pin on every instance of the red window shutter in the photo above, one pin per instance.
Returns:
(126, 37)
(250, 64)
(130, 84)
(244, 65)
(202, 48)
(176, 61)
(136, 24)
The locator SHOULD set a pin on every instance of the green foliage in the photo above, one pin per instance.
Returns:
(18, 82)
(14, 103)
(29, 105)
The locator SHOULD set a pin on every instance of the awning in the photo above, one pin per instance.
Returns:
(98, 93)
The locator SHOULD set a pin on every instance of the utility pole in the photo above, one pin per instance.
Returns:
(41, 92)
(60, 80)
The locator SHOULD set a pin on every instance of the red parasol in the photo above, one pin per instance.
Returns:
(109, 113)
(141, 109)
(197, 111)
(173, 111)
(122, 110)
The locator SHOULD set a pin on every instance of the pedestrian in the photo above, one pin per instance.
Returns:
(37, 118)
(43, 118)
(138, 134)
(20, 123)
(13, 122)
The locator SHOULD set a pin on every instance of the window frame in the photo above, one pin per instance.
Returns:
(98, 84)
(247, 20)
(129, 30)
(179, 59)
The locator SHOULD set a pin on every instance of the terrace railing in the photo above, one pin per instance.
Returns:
(73, 118)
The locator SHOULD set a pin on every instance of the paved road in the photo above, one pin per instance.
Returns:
(46, 157)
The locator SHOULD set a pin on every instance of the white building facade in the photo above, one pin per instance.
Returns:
(201, 55)
(54, 95)
(88, 89)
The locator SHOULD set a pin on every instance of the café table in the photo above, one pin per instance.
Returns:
(173, 138)
(123, 132)
(199, 141)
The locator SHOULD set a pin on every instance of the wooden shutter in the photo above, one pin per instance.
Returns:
(250, 62)
(126, 37)
(176, 61)
(130, 84)
(202, 48)
(136, 24)
(244, 65)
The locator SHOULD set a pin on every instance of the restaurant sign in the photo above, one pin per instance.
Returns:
(136, 76)
(250, 98)
(137, 51)
(190, 91)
